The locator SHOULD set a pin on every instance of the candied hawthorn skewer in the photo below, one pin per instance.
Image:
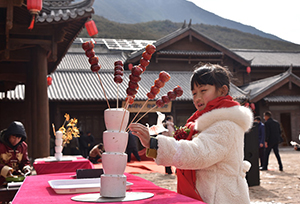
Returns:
(146, 56)
(88, 47)
(118, 74)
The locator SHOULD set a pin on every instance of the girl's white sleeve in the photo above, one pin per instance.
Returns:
(209, 147)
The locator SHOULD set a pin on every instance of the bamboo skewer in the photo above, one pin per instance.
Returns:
(103, 90)
(117, 95)
(125, 108)
(146, 113)
(137, 113)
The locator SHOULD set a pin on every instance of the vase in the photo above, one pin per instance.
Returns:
(58, 145)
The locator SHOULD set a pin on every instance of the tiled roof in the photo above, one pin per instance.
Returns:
(183, 52)
(117, 44)
(85, 86)
(285, 99)
(80, 62)
(270, 58)
(62, 10)
(259, 87)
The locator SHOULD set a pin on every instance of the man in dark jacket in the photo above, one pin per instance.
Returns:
(261, 139)
(13, 151)
(273, 138)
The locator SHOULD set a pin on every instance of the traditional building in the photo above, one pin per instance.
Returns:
(77, 91)
(27, 56)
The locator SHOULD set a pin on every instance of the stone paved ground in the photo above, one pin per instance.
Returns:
(275, 187)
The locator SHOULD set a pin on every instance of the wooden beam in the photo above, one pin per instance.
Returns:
(3, 3)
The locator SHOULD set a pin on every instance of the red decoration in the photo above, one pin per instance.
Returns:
(34, 7)
(91, 28)
(49, 80)
(246, 105)
(130, 66)
(252, 105)
(248, 70)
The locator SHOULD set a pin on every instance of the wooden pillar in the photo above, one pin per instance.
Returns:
(37, 104)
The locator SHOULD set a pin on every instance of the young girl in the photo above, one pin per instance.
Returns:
(209, 160)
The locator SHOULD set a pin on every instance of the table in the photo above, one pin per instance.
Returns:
(36, 190)
(7, 194)
(49, 165)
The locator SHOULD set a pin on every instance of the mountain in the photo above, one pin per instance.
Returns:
(155, 30)
(138, 11)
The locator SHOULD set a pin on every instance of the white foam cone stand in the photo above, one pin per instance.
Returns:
(114, 160)
(58, 145)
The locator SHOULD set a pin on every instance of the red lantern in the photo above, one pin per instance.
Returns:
(252, 105)
(91, 28)
(34, 7)
(49, 80)
(248, 70)
(247, 105)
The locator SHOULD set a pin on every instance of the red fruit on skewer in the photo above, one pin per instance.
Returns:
(144, 62)
(130, 98)
(155, 90)
(151, 95)
(136, 71)
(119, 62)
(135, 79)
(158, 83)
(118, 79)
(165, 99)
(133, 85)
(150, 49)
(142, 67)
(178, 91)
(93, 60)
(160, 103)
(171, 95)
(131, 92)
(118, 72)
(164, 76)
(88, 45)
(119, 67)
(95, 67)
(90, 53)
(146, 55)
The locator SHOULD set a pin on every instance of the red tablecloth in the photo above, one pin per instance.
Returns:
(44, 166)
(36, 190)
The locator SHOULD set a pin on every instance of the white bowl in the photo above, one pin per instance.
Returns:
(115, 141)
(114, 162)
(58, 135)
(58, 142)
(58, 149)
(58, 156)
(113, 186)
(113, 118)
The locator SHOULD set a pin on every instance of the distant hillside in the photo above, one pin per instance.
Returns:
(138, 11)
(154, 30)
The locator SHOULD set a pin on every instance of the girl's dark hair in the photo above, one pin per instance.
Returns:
(211, 74)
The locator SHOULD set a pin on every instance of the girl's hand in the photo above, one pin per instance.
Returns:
(142, 132)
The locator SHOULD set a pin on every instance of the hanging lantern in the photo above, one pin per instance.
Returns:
(49, 80)
(252, 105)
(248, 70)
(91, 28)
(34, 7)
(130, 66)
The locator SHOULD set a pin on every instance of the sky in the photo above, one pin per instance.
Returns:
(277, 17)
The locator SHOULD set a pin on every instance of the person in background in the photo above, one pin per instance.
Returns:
(169, 124)
(261, 139)
(52, 145)
(96, 153)
(13, 151)
(89, 140)
(83, 145)
(273, 138)
(132, 147)
(208, 153)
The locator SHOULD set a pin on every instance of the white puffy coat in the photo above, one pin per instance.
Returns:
(216, 153)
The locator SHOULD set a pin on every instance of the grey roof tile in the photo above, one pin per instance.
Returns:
(285, 99)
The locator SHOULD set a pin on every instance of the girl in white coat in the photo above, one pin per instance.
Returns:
(209, 160)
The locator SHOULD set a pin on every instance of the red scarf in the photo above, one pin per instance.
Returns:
(186, 179)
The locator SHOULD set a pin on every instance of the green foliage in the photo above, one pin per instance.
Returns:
(155, 30)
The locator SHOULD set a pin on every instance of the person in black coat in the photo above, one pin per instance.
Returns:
(272, 139)
(132, 147)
